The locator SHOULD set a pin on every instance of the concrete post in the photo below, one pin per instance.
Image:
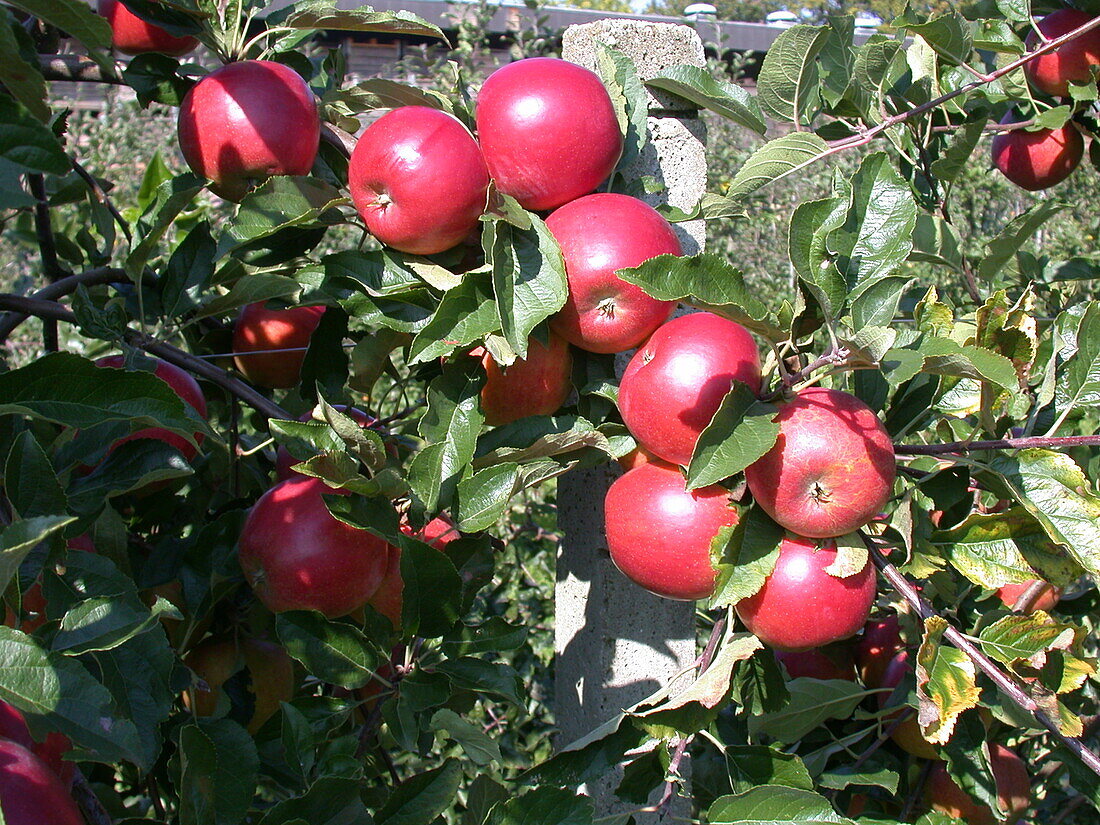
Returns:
(615, 643)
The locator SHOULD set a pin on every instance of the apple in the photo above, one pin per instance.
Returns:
(50, 750)
(132, 35)
(246, 122)
(284, 461)
(659, 533)
(1013, 790)
(548, 131)
(258, 330)
(676, 381)
(185, 387)
(536, 385)
(880, 642)
(1039, 159)
(639, 456)
(297, 556)
(418, 180)
(906, 735)
(270, 671)
(30, 793)
(1071, 62)
(832, 468)
(818, 664)
(801, 606)
(389, 598)
(1048, 598)
(598, 235)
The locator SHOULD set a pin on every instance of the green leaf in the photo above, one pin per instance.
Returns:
(752, 765)
(492, 678)
(945, 683)
(851, 556)
(259, 287)
(172, 197)
(383, 93)
(324, 15)
(543, 806)
(846, 776)
(696, 84)
(333, 651)
(628, 97)
(748, 557)
(156, 78)
(1019, 231)
(475, 743)
(77, 19)
(466, 314)
(774, 805)
(810, 224)
(432, 598)
(331, 800)
(813, 702)
(105, 623)
(188, 271)
(420, 799)
(536, 437)
(491, 636)
(1015, 638)
(220, 768)
(18, 74)
(20, 537)
(1078, 381)
(28, 143)
(528, 277)
(947, 167)
(944, 356)
(948, 34)
(30, 482)
(741, 431)
(777, 159)
(935, 241)
(281, 203)
(483, 498)
(788, 83)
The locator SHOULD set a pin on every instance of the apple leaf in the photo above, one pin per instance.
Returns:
(543, 806)
(27, 142)
(78, 20)
(30, 482)
(1029, 638)
(131, 466)
(810, 224)
(774, 805)
(1019, 231)
(280, 203)
(620, 76)
(333, 651)
(741, 431)
(812, 703)
(219, 770)
(479, 748)
(696, 84)
(788, 87)
(19, 72)
(752, 765)
(744, 557)
(330, 800)
(483, 498)
(324, 15)
(20, 537)
(465, 314)
(432, 596)
(535, 437)
(1078, 382)
(946, 683)
(851, 556)
(776, 159)
(949, 35)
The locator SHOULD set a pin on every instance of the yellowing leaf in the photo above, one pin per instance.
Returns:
(946, 683)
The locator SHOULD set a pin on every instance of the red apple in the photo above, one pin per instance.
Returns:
(537, 385)
(548, 130)
(246, 122)
(284, 461)
(185, 387)
(388, 599)
(906, 735)
(1071, 62)
(216, 660)
(1013, 790)
(639, 456)
(832, 468)
(598, 235)
(30, 793)
(259, 330)
(880, 642)
(50, 750)
(418, 180)
(676, 381)
(132, 35)
(1011, 593)
(801, 606)
(818, 664)
(659, 534)
(1040, 159)
(297, 556)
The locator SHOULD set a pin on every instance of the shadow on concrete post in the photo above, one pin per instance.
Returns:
(615, 643)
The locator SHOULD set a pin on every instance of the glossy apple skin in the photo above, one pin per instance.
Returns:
(832, 468)
(284, 461)
(880, 642)
(1013, 790)
(28, 788)
(246, 122)
(817, 664)
(536, 385)
(418, 180)
(297, 556)
(548, 131)
(270, 669)
(186, 388)
(50, 750)
(659, 534)
(598, 235)
(676, 381)
(1037, 160)
(1072, 61)
(389, 599)
(258, 329)
(1011, 593)
(907, 735)
(132, 35)
(801, 606)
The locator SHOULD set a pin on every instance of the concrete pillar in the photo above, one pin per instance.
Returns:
(616, 643)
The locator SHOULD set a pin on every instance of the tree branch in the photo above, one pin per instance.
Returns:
(1004, 683)
(77, 68)
(88, 802)
(1000, 443)
(47, 247)
(59, 289)
(833, 356)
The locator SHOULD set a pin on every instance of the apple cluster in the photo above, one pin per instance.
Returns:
(1038, 158)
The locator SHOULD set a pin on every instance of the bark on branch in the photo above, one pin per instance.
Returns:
(1061, 441)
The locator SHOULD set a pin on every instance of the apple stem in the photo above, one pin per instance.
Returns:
(1062, 441)
(1004, 683)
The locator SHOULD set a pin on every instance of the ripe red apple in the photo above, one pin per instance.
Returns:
(659, 534)
(639, 456)
(259, 330)
(389, 598)
(132, 35)
(297, 556)
(598, 235)
(1013, 790)
(185, 387)
(907, 735)
(1011, 593)
(1040, 159)
(418, 180)
(819, 664)
(246, 122)
(50, 750)
(548, 131)
(284, 461)
(832, 468)
(1072, 61)
(270, 669)
(537, 385)
(880, 642)
(676, 381)
(801, 606)
(30, 793)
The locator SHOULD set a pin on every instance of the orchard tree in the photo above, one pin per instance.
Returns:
(257, 480)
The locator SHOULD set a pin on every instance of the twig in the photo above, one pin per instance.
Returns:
(101, 196)
(917, 791)
(1003, 682)
(88, 802)
(59, 289)
(76, 68)
(173, 355)
(1000, 444)
(833, 356)
(47, 247)
(1030, 597)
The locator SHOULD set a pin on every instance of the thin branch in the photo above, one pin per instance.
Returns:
(47, 247)
(59, 289)
(75, 68)
(101, 196)
(88, 802)
(1063, 441)
(832, 357)
(1031, 595)
(1004, 683)
(173, 355)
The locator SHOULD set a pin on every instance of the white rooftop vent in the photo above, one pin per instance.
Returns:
(696, 10)
(868, 21)
(782, 18)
